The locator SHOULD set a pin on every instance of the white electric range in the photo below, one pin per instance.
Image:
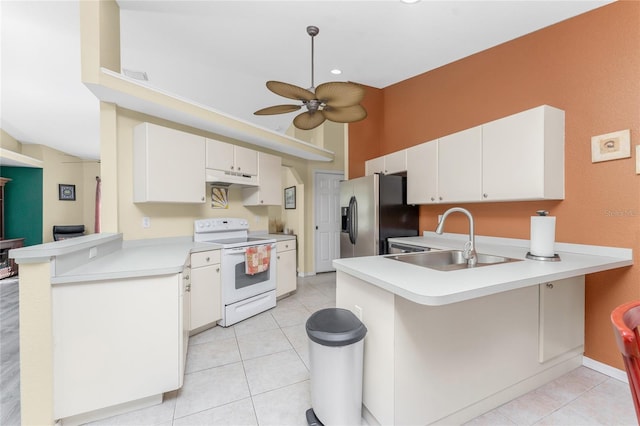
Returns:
(243, 295)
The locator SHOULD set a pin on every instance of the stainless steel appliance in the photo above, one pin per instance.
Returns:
(395, 248)
(243, 295)
(373, 209)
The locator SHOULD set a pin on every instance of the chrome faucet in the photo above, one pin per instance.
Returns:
(469, 252)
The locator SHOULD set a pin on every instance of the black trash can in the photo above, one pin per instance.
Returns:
(336, 348)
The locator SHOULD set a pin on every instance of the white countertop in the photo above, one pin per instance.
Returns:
(432, 287)
(136, 258)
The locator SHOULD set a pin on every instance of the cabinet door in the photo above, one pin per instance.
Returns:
(168, 165)
(561, 327)
(375, 165)
(285, 271)
(269, 189)
(460, 166)
(528, 148)
(246, 161)
(422, 173)
(206, 307)
(219, 155)
(395, 162)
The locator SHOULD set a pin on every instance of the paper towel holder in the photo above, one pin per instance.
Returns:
(555, 257)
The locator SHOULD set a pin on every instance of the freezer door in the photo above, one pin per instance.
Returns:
(365, 191)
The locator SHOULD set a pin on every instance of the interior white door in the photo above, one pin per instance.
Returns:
(327, 219)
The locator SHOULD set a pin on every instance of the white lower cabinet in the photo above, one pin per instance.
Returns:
(286, 267)
(561, 317)
(205, 293)
(116, 341)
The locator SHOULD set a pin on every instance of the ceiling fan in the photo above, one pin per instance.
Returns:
(334, 101)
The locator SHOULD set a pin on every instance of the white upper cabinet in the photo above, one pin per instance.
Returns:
(375, 165)
(422, 173)
(269, 189)
(523, 156)
(231, 158)
(168, 165)
(396, 162)
(460, 166)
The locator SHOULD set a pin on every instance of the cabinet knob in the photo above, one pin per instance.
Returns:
(485, 195)
(202, 199)
(440, 198)
(261, 201)
(278, 257)
(208, 259)
(217, 269)
(188, 288)
(549, 286)
(433, 198)
(238, 168)
(231, 167)
(186, 277)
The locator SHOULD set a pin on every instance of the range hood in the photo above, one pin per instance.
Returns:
(222, 177)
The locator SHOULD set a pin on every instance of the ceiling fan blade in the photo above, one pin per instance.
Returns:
(277, 109)
(290, 91)
(308, 120)
(340, 94)
(345, 115)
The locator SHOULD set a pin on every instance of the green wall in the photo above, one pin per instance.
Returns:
(23, 204)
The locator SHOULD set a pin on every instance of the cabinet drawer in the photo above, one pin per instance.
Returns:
(285, 245)
(205, 258)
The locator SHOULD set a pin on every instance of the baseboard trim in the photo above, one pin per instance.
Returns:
(605, 369)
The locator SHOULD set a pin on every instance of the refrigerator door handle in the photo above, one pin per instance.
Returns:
(353, 222)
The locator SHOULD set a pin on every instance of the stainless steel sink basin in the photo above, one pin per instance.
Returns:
(450, 260)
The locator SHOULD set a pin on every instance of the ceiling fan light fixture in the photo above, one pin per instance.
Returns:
(336, 71)
(340, 100)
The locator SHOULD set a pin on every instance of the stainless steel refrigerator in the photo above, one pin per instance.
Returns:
(374, 208)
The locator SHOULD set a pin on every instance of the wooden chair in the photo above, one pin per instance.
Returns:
(626, 319)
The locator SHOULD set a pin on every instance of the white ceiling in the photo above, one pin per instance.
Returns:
(221, 53)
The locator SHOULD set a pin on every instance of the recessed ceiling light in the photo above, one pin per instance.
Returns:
(409, 1)
(336, 71)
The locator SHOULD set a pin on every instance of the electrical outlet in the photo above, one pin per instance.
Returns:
(93, 252)
(146, 222)
(358, 311)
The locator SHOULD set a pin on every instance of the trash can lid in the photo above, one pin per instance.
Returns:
(335, 327)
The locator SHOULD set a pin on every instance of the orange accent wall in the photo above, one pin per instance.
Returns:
(366, 134)
(589, 66)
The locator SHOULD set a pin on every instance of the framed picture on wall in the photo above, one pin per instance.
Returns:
(290, 197)
(66, 192)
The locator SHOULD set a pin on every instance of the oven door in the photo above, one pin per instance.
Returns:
(236, 284)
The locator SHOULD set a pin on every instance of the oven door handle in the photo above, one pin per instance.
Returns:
(242, 250)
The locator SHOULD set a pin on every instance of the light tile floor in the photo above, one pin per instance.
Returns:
(257, 373)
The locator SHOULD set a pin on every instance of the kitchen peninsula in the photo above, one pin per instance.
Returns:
(446, 346)
(104, 323)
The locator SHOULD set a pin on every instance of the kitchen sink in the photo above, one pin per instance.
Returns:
(450, 260)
